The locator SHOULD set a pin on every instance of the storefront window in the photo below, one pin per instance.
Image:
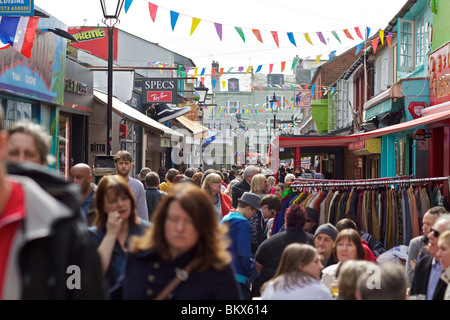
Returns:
(17, 110)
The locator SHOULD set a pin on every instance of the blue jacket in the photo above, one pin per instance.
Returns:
(240, 235)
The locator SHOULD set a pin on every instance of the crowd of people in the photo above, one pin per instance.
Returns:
(190, 234)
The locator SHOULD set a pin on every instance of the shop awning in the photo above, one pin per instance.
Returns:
(138, 117)
(319, 141)
(194, 127)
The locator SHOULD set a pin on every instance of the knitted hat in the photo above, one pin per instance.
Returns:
(327, 229)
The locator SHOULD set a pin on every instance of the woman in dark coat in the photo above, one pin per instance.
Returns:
(185, 232)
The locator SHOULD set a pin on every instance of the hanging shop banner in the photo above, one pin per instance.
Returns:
(302, 98)
(94, 40)
(156, 90)
(40, 77)
(439, 75)
(16, 8)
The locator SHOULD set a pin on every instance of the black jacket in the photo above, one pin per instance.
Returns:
(237, 191)
(56, 257)
(421, 277)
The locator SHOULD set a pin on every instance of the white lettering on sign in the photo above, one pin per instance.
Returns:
(159, 85)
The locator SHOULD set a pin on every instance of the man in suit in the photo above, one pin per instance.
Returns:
(428, 270)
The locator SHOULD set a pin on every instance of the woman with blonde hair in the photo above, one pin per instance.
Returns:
(212, 185)
(297, 276)
(116, 220)
(229, 192)
(259, 184)
(271, 181)
(185, 241)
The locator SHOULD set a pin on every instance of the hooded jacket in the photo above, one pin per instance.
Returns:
(240, 248)
(237, 191)
(52, 256)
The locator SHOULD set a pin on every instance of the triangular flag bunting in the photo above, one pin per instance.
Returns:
(358, 48)
(258, 69)
(347, 33)
(382, 36)
(214, 81)
(291, 38)
(308, 38)
(260, 87)
(332, 53)
(257, 35)
(317, 59)
(321, 38)
(253, 87)
(283, 65)
(375, 45)
(389, 39)
(195, 22)
(336, 36)
(294, 63)
(248, 69)
(195, 71)
(220, 72)
(127, 5)
(218, 29)
(152, 8)
(241, 33)
(270, 68)
(358, 33)
(367, 33)
(203, 72)
(275, 38)
(223, 84)
(213, 72)
(173, 19)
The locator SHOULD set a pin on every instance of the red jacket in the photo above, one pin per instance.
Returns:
(369, 254)
(225, 202)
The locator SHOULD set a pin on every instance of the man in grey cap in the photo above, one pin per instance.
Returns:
(323, 241)
(240, 235)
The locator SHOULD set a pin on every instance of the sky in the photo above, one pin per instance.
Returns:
(203, 45)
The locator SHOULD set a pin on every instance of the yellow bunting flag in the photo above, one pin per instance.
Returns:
(223, 84)
(195, 72)
(382, 36)
(248, 69)
(195, 22)
(308, 38)
(317, 59)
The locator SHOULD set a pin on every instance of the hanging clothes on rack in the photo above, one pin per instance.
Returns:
(390, 209)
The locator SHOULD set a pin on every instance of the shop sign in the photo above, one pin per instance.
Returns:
(16, 8)
(439, 75)
(94, 40)
(156, 90)
(42, 76)
(302, 98)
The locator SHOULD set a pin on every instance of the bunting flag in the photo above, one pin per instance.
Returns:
(321, 38)
(241, 33)
(294, 63)
(358, 48)
(252, 86)
(358, 33)
(218, 30)
(248, 69)
(317, 59)
(291, 38)
(389, 39)
(213, 72)
(382, 36)
(375, 45)
(367, 33)
(270, 68)
(19, 33)
(173, 19)
(308, 38)
(229, 70)
(347, 33)
(332, 53)
(127, 5)
(152, 8)
(203, 72)
(195, 22)
(240, 69)
(258, 69)
(336, 36)
(275, 38)
(312, 90)
(214, 81)
(220, 72)
(283, 65)
(257, 35)
(195, 72)
(223, 84)
(260, 87)
(304, 60)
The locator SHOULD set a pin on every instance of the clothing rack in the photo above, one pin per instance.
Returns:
(381, 181)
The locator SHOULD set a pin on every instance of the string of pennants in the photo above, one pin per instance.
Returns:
(174, 16)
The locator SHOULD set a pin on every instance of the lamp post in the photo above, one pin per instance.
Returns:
(274, 111)
(202, 92)
(111, 11)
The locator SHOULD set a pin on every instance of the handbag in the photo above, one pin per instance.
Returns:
(181, 275)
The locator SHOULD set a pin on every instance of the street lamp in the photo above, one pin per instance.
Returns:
(274, 111)
(201, 92)
(111, 11)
